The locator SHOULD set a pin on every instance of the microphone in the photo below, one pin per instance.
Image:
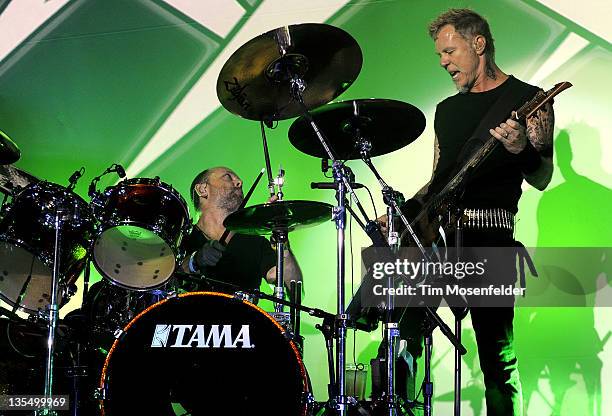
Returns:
(332, 185)
(120, 171)
(74, 178)
(115, 167)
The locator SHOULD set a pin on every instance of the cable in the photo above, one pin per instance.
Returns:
(352, 295)
(372, 200)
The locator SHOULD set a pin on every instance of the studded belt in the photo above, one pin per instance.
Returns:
(488, 218)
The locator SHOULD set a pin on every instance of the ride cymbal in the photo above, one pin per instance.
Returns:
(255, 82)
(388, 125)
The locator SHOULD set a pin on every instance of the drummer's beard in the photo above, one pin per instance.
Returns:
(231, 200)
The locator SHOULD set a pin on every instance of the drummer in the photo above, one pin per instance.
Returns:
(244, 259)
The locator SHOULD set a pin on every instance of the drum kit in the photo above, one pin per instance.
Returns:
(166, 343)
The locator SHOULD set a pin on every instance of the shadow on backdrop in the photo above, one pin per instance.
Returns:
(561, 345)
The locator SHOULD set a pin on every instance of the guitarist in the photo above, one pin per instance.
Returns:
(465, 46)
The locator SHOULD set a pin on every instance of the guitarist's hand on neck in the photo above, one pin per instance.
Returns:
(532, 145)
(512, 136)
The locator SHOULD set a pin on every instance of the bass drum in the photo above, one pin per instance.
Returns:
(27, 242)
(204, 353)
(142, 222)
(109, 308)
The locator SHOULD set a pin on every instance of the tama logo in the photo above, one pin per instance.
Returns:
(201, 336)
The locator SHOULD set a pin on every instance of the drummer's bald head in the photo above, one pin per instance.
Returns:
(201, 177)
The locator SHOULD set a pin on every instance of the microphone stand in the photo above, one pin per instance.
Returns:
(393, 199)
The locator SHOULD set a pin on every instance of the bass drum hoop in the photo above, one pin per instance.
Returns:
(103, 376)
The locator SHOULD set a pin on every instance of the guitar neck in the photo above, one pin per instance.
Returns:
(524, 112)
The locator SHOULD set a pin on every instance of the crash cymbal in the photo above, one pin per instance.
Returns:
(388, 125)
(281, 215)
(254, 82)
(9, 152)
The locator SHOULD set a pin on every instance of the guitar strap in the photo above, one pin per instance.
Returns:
(510, 100)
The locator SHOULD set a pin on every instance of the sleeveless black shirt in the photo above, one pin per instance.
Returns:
(497, 181)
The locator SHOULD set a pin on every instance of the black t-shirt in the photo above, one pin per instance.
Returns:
(245, 261)
(497, 181)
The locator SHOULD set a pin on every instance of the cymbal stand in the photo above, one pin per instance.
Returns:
(280, 238)
(60, 216)
(391, 328)
(343, 186)
(291, 71)
(271, 189)
(393, 199)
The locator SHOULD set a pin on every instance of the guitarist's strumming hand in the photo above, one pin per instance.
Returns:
(512, 135)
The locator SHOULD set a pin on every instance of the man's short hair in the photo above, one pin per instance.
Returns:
(468, 24)
(201, 177)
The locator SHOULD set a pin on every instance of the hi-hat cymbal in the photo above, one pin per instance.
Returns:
(388, 125)
(9, 152)
(281, 215)
(13, 180)
(254, 82)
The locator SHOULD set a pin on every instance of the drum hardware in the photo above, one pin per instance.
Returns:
(294, 312)
(60, 216)
(289, 83)
(351, 126)
(280, 236)
(74, 178)
(118, 169)
(96, 197)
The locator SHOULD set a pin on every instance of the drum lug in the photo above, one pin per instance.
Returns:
(308, 400)
(69, 291)
(99, 393)
(118, 333)
(243, 296)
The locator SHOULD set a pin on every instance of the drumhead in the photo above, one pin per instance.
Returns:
(24, 280)
(134, 257)
(204, 353)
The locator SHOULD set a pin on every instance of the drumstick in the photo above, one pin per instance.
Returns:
(243, 203)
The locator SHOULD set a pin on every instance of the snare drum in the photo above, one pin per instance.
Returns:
(142, 222)
(27, 243)
(204, 353)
